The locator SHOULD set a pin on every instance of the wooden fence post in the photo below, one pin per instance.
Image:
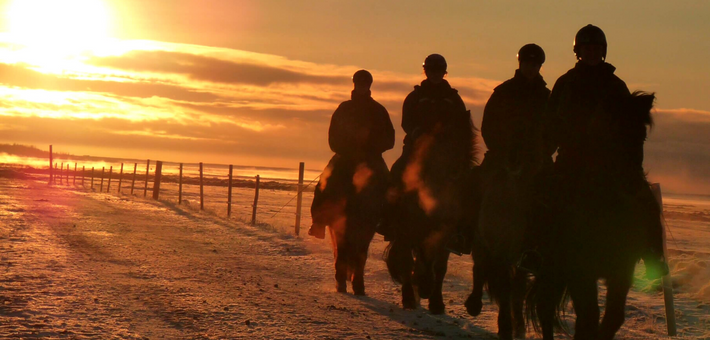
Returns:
(147, 169)
(299, 200)
(51, 173)
(68, 170)
(229, 192)
(120, 179)
(180, 186)
(61, 169)
(74, 181)
(101, 188)
(666, 280)
(110, 172)
(202, 195)
(83, 174)
(156, 181)
(256, 201)
(133, 182)
(92, 178)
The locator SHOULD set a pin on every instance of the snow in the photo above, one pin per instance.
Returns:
(80, 264)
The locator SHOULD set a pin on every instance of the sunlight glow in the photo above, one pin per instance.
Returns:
(60, 24)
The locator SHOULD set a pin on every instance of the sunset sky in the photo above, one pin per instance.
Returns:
(255, 82)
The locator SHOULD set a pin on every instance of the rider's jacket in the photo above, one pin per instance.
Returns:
(576, 104)
(430, 104)
(512, 117)
(360, 127)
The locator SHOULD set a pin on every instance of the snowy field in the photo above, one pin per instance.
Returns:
(80, 264)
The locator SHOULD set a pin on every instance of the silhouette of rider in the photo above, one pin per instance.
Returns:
(360, 131)
(418, 117)
(572, 110)
(512, 117)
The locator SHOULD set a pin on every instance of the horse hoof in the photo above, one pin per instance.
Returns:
(473, 306)
(359, 292)
(437, 308)
(341, 288)
(409, 304)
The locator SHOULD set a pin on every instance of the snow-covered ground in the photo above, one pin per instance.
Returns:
(79, 264)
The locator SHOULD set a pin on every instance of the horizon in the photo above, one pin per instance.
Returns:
(255, 83)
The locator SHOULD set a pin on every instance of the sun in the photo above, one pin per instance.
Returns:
(59, 23)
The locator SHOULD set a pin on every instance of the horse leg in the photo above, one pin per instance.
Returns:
(359, 259)
(341, 262)
(585, 300)
(499, 286)
(552, 289)
(474, 303)
(617, 290)
(518, 297)
(436, 300)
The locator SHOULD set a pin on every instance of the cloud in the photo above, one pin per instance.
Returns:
(210, 69)
(678, 147)
(21, 76)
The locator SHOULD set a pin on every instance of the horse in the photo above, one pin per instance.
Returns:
(507, 178)
(350, 197)
(597, 226)
(427, 205)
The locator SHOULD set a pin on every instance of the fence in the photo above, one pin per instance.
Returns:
(214, 186)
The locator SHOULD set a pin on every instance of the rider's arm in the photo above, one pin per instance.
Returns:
(491, 126)
(339, 136)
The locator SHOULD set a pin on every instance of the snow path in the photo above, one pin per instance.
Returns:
(84, 265)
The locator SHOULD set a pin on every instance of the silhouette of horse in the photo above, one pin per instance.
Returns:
(598, 226)
(353, 192)
(428, 205)
(498, 242)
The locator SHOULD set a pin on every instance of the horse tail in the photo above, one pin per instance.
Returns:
(398, 256)
(548, 292)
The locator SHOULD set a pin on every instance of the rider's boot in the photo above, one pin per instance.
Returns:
(317, 230)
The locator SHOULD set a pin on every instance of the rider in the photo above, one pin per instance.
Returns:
(512, 116)
(433, 94)
(360, 131)
(573, 109)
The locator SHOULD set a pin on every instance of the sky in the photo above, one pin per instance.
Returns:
(255, 82)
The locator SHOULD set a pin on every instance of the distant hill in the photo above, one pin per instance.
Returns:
(28, 151)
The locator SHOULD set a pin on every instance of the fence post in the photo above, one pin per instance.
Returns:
(83, 174)
(202, 196)
(92, 178)
(133, 182)
(666, 280)
(68, 170)
(256, 201)
(120, 179)
(61, 169)
(156, 181)
(110, 172)
(147, 169)
(299, 200)
(180, 186)
(51, 173)
(101, 188)
(229, 192)
(74, 181)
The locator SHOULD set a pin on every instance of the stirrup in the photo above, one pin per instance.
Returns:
(457, 245)
(530, 264)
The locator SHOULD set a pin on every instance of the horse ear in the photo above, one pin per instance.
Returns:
(645, 102)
